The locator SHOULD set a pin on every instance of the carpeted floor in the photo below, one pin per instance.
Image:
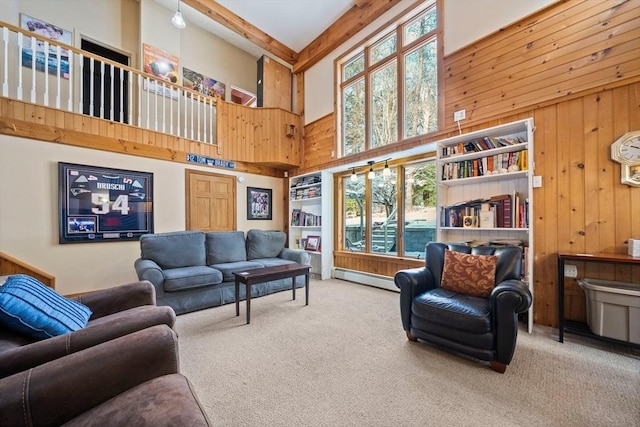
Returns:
(344, 360)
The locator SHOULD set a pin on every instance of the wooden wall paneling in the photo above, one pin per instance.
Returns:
(319, 141)
(546, 63)
(545, 215)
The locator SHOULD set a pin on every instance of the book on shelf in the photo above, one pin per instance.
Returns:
(300, 218)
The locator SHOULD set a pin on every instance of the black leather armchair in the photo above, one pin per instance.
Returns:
(484, 328)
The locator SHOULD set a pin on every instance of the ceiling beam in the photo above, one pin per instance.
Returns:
(225, 17)
(355, 19)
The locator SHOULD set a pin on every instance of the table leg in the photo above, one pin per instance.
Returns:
(237, 297)
(293, 287)
(248, 288)
(560, 299)
(306, 287)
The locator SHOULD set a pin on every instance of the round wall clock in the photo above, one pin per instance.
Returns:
(626, 151)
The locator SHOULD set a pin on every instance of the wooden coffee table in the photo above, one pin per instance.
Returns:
(265, 274)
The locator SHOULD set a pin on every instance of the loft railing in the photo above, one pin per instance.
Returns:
(73, 80)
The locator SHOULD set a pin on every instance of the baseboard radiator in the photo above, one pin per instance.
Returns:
(363, 278)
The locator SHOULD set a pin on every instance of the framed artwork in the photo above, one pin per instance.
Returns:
(49, 31)
(259, 203)
(103, 204)
(312, 243)
(161, 65)
(205, 85)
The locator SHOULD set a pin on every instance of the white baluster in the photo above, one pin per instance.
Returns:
(5, 74)
(19, 89)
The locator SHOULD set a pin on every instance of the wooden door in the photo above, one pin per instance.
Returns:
(211, 201)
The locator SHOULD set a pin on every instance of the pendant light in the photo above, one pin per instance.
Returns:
(354, 177)
(371, 174)
(386, 172)
(178, 20)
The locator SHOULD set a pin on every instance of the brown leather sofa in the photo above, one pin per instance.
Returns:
(117, 311)
(131, 380)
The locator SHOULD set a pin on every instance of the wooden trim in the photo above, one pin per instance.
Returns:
(225, 17)
(343, 29)
(10, 265)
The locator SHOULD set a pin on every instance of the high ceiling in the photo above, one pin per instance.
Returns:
(282, 28)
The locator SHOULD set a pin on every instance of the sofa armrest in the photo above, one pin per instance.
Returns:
(411, 282)
(119, 298)
(147, 269)
(58, 391)
(295, 255)
(96, 332)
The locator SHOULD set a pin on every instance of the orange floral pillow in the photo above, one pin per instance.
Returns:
(469, 274)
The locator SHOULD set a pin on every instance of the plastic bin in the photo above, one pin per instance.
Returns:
(613, 308)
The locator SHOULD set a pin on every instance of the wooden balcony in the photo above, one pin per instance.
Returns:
(168, 123)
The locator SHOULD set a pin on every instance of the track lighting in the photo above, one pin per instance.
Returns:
(178, 20)
(386, 172)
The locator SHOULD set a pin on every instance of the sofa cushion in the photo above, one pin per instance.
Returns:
(271, 262)
(225, 246)
(264, 244)
(469, 274)
(174, 249)
(30, 308)
(176, 279)
(228, 268)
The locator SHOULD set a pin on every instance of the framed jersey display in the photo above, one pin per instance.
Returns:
(104, 204)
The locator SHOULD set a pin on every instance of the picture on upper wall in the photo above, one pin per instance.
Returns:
(161, 65)
(50, 57)
(100, 204)
(259, 203)
(205, 85)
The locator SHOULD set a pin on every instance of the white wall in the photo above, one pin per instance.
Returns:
(465, 21)
(29, 211)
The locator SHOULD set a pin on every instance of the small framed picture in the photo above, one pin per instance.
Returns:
(259, 203)
(312, 243)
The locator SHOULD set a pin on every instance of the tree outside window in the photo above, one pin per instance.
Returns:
(398, 68)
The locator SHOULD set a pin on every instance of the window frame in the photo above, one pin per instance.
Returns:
(401, 169)
(364, 48)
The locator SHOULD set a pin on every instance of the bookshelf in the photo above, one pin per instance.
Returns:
(485, 190)
(311, 219)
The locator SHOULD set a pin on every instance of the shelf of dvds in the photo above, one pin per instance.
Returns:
(308, 209)
(485, 190)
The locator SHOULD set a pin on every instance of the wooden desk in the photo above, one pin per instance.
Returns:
(607, 258)
(265, 274)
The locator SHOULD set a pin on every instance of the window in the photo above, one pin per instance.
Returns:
(389, 86)
(419, 207)
(378, 200)
(355, 220)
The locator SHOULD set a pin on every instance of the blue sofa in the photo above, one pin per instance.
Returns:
(193, 270)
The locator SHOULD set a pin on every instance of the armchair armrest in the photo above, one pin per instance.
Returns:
(412, 282)
(58, 391)
(119, 298)
(512, 295)
(147, 269)
(295, 255)
(96, 332)
(507, 299)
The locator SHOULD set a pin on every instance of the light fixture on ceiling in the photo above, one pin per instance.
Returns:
(354, 177)
(178, 20)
